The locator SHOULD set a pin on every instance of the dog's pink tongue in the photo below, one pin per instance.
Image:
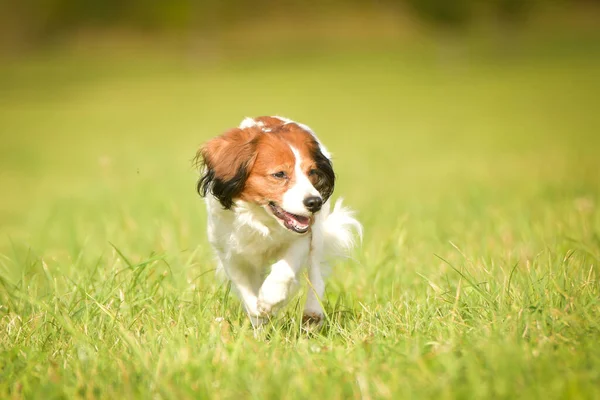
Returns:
(302, 220)
(298, 218)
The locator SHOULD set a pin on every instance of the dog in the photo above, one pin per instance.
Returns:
(267, 186)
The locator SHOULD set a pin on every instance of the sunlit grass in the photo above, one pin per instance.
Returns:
(477, 180)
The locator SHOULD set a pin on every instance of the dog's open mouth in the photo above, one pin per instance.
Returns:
(293, 222)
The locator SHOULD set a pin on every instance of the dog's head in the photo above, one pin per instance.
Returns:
(272, 162)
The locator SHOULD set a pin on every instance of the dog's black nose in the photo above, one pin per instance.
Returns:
(313, 203)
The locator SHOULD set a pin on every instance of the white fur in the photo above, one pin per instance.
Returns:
(292, 199)
(250, 122)
(247, 240)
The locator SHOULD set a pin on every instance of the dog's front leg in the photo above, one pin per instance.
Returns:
(279, 285)
(313, 310)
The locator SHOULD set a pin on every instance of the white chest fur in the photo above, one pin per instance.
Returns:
(248, 234)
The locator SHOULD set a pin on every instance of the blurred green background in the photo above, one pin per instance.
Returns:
(132, 88)
(42, 21)
(466, 130)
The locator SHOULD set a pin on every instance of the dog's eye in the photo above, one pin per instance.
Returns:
(279, 175)
(312, 172)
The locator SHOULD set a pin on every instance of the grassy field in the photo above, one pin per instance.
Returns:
(477, 178)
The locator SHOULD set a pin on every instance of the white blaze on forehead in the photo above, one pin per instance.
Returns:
(293, 199)
(250, 122)
(286, 121)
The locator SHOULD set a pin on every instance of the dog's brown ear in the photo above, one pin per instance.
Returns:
(226, 162)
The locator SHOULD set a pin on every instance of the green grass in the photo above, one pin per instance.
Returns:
(476, 178)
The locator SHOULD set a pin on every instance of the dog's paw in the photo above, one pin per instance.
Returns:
(257, 321)
(272, 296)
(312, 321)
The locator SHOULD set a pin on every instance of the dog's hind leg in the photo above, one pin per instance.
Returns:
(313, 309)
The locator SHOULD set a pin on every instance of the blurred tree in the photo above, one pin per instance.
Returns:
(511, 11)
(37, 21)
(444, 13)
(158, 15)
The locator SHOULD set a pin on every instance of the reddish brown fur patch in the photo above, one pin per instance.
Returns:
(227, 160)
(241, 162)
(225, 154)
(273, 154)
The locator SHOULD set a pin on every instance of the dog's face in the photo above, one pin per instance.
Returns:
(273, 163)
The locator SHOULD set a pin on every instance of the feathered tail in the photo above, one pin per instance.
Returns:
(340, 230)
